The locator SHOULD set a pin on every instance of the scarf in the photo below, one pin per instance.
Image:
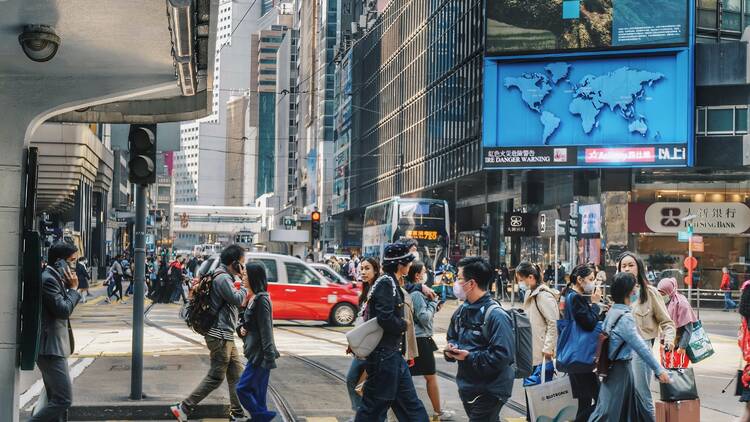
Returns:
(678, 307)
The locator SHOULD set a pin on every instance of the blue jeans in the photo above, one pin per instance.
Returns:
(728, 302)
(389, 385)
(352, 378)
(252, 389)
(642, 376)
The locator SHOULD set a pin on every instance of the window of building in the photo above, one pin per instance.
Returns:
(725, 120)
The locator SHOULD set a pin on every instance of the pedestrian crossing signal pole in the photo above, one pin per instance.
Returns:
(141, 172)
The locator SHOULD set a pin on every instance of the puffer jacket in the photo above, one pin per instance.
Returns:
(260, 347)
(541, 307)
(226, 300)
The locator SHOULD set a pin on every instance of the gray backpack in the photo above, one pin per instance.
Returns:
(522, 330)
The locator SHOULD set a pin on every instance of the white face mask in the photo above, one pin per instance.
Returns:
(416, 256)
(458, 291)
(522, 285)
(589, 288)
(424, 278)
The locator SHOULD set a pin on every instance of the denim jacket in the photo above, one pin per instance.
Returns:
(424, 313)
(626, 332)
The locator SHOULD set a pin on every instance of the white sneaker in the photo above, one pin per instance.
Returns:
(445, 415)
(179, 412)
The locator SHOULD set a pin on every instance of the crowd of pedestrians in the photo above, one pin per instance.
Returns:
(482, 336)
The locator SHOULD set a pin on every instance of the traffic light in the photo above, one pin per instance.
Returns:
(315, 225)
(573, 227)
(142, 146)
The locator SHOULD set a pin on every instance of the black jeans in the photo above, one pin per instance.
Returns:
(389, 385)
(58, 386)
(117, 279)
(482, 407)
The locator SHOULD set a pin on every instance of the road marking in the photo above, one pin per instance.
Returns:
(321, 419)
(38, 386)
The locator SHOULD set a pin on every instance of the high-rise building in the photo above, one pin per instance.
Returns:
(286, 124)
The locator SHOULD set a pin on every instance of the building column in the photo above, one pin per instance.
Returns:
(12, 135)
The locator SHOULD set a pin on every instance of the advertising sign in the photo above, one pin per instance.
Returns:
(521, 224)
(591, 218)
(544, 26)
(603, 112)
(710, 218)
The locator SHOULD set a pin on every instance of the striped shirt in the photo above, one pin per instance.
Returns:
(220, 334)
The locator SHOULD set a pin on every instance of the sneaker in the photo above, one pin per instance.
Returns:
(445, 415)
(179, 412)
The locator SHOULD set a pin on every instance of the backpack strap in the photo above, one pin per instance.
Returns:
(487, 313)
(612, 331)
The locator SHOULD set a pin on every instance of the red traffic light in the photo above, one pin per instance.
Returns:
(315, 216)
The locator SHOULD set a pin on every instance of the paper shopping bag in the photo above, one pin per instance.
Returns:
(552, 401)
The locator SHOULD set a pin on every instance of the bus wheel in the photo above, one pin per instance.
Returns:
(343, 314)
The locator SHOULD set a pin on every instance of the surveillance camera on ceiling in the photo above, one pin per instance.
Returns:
(39, 42)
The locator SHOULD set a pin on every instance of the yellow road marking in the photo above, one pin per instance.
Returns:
(94, 301)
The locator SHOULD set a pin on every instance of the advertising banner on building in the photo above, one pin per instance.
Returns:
(521, 224)
(624, 111)
(703, 217)
(544, 26)
(591, 219)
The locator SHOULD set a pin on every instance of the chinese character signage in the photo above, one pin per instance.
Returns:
(670, 217)
(422, 234)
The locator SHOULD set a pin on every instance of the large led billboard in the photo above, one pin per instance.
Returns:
(588, 111)
(538, 26)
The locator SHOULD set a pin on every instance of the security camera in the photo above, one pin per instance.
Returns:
(39, 42)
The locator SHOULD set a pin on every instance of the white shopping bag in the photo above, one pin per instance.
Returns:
(552, 401)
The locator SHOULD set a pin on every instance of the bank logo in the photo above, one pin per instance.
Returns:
(516, 221)
(670, 217)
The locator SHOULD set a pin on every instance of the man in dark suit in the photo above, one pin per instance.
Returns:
(59, 298)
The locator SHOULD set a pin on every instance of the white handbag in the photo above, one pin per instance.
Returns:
(364, 338)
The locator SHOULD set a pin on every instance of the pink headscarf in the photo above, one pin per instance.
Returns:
(679, 308)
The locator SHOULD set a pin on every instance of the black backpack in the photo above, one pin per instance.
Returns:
(522, 340)
(734, 281)
(198, 314)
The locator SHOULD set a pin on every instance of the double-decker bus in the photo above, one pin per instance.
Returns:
(424, 220)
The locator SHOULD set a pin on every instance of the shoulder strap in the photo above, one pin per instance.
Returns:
(612, 331)
(536, 302)
(487, 313)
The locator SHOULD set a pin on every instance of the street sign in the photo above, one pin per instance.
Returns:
(698, 247)
(697, 239)
(683, 236)
(691, 263)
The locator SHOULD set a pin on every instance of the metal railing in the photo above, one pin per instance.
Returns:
(709, 298)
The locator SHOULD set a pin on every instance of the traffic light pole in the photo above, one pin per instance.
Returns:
(136, 367)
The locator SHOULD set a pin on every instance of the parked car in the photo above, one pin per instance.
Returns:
(298, 291)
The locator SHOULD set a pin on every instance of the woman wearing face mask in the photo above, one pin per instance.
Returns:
(651, 318)
(683, 316)
(582, 300)
(424, 364)
(540, 305)
(616, 400)
(369, 270)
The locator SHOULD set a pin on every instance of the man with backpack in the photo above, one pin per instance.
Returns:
(481, 339)
(225, 301)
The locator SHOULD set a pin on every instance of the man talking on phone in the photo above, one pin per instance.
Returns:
(59, 299)
(226, 300)
(480, 339)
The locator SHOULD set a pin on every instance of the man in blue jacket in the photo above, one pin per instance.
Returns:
(481, 342)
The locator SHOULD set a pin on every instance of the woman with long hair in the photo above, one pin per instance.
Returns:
(744, 343)
(616, 400)
(256, 329)
(369, 271)
(582, 301)
(424, 363)
(683, 316)
(651, 319)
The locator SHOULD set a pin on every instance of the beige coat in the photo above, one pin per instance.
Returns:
(412, 350)
(652, 316)
(541, 307)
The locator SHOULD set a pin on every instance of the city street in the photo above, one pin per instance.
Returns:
(308, 383)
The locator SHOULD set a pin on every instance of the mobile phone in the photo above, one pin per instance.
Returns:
(61, 265)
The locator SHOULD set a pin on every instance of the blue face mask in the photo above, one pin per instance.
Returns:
(635, 296)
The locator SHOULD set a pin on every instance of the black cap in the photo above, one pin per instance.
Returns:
(397, 253)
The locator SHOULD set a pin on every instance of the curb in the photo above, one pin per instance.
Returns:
(128, 410)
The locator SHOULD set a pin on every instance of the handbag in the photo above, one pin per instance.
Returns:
(364, 338)
(682, 386)
(552, 400)
(576, 347)
(699, 347)
(603, 362)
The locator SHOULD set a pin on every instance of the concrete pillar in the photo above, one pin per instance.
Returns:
(12, 134)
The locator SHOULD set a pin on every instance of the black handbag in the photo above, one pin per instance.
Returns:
(682, 386)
